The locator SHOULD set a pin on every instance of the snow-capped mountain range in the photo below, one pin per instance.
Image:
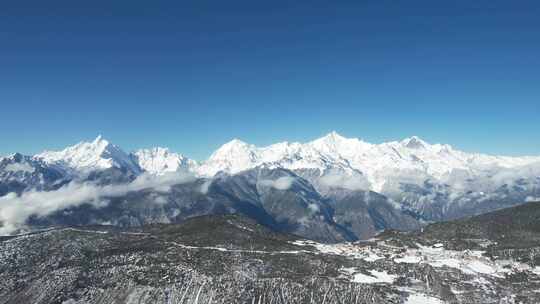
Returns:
(430, 179)
(410, 159)
(331, 188)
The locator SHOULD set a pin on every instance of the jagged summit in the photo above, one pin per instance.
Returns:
(88, 156)
(100, 140)
(332, 137)
(414, 142)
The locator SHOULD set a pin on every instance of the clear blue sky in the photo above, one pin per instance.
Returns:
(191, 75)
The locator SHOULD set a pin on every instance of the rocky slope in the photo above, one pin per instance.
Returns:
(276, 198)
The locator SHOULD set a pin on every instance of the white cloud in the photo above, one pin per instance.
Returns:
(158, 199)
(15, 210)
(205, 186)
(532, 199)
(346, 181)
(282, 183)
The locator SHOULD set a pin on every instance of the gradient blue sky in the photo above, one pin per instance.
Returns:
(191, 75)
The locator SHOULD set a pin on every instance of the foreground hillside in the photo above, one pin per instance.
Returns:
(491, 258)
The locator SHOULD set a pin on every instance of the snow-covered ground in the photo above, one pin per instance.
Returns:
(470, 262)
(380, 265)
(418, 298)
(467, 261)
(374, 276)
(351, 250)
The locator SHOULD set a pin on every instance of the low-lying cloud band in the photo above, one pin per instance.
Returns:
(16, 209)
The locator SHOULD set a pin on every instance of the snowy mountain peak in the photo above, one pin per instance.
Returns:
(87, 156)
(160, 160)
(99, 140)
(233, 147)
(233, 144)
(333, 137)
(234, 156)
(414, 142)
(336, 146)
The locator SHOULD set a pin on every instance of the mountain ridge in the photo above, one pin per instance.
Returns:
(358, 188)
(85, 155)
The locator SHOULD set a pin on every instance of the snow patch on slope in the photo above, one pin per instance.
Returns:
(281, 183)
(374, 276)
(419, 298)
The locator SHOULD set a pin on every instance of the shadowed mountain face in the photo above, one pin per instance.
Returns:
(19, 173)
(276, 198)
(366, 213)
(232, 259)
